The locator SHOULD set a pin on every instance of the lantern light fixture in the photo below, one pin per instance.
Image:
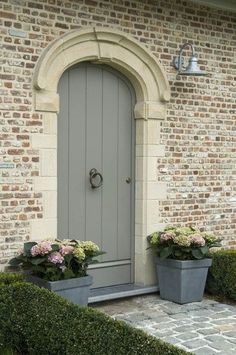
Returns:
(193, 68)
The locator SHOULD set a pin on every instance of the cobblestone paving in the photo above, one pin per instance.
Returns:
(203, 328)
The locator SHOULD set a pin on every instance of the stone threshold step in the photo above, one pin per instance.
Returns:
(120, 291)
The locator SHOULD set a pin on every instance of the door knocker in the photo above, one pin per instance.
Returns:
(95, 178)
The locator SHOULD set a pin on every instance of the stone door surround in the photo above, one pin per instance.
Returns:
(140, 66)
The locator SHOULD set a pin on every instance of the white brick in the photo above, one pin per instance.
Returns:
(44, 228)
(48, 162)
(152, 212)
(156, 191)
(44, 141)
(45, 184)
(50, 204)
(153, 132)
(151, 169)
(50, 123)
(155, 150)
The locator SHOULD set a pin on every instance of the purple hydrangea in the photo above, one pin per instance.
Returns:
(66, 249)
(167, 236)
(41, 248)
(56, 258)
(197, 239)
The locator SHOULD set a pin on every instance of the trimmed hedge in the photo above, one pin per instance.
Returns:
(37, 321)
(8, 278)
(221, 280)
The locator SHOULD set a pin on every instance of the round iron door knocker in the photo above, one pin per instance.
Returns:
(95, 178)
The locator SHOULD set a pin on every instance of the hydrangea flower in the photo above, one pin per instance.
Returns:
(56, 258)
(20, 251)
(68, 242)
(79, 253)
(59, 259)
(182, 243)
(209, 237)
(182, 240)
(183, 230)
(42, 248)
(89, 246)
(197, 239)
(167, 236)
(154, 239)
(66, 249)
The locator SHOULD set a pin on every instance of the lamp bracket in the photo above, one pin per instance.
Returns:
(176, 62)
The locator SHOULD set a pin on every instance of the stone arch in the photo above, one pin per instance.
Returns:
(140, 66)
(103, 45)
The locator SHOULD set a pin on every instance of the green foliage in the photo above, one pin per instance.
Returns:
(42, 323)
(8, 351)
(221, 278)
(8, 278)
(58, 259)
(185, 243)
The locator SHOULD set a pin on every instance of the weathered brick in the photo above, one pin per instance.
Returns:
(10, 15)
(199, 134)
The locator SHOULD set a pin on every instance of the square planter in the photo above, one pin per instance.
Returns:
(182, 281)
(75, 290)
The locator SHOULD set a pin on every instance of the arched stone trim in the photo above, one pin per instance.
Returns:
(140, 66)
(108, 46)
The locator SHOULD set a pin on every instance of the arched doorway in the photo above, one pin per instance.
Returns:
(96, 131)
(126, 55)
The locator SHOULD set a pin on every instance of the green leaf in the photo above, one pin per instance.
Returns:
(37, 261)
(97, 253)
(38, 268)
(55, 247)
(52, 274)
(197, 254)
(28, 246)
(68, 274)
(68, 258)
(15, 262)
(165, 252)
(177, 253)
(204, 249)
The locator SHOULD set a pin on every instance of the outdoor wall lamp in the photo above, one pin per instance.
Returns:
(192, 68)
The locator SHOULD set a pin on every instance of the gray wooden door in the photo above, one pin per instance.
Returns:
(96, 130)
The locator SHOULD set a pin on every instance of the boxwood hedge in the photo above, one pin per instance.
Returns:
(35, 321)
(7, 278)
(221, 280)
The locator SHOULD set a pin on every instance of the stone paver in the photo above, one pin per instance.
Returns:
(203, 328)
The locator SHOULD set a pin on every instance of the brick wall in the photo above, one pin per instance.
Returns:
(199, 133)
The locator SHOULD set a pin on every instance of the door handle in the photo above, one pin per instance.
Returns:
(95, 178)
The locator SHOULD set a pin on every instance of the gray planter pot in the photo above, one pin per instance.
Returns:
(74, 290)
(182, 281)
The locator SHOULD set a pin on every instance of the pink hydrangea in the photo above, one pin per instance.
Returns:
(20, 251)
(66, 249)
(41, 248)
(197, 239)
(167, 236)
(56, 258)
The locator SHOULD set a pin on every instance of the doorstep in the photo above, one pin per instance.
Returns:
(119, 291)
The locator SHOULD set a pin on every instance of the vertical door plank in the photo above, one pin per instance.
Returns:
(94, 152)
(110, 151)
(62, 160)
(76, 157)
(124, 171)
